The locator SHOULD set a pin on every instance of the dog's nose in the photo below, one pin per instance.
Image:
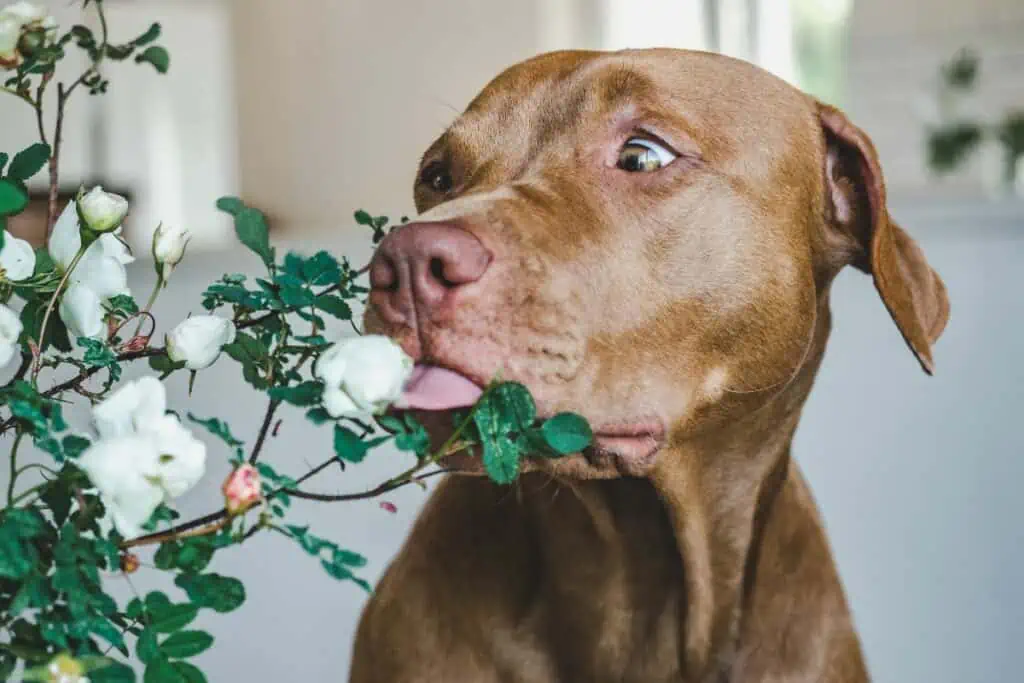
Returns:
(422, 265)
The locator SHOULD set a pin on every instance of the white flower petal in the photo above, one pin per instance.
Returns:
(122, 469)
(102, 274)
(25, 12)
(17, 258)
(10, 330)
(131, 408)
(113, 247)
(10, 34)
(182, 460)
(339, 404)
(81, 309)
(65, 240)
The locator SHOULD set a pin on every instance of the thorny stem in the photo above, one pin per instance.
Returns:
(268, 419)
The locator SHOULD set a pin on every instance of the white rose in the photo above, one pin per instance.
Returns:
(168, 249)
(102, 211)
(99, 274)
(17, 259)
(10, 330)
(197, 341)
(144, 456)
(362, 375)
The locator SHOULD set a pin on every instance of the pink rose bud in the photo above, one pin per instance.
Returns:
(242, 489)
(390, 507)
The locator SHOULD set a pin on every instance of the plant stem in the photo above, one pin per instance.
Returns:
(53, 302)
(14, 468)
(58, 129)
(149, 304)
(264, 428)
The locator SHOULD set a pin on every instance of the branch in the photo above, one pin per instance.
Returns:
(264, 428)
(370, 493)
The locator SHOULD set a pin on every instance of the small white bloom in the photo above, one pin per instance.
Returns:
(102, 211)
(197, 341)
(362, 375)
(17, 259)
(168, 249)
(129, 409)
(82, 311)
(10, 330)
(144, 457)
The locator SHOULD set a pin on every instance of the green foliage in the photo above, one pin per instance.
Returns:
(29, 161)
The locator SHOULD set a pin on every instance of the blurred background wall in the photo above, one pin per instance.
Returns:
(314, 108)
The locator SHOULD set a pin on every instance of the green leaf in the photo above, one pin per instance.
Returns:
(247, 349)
(17, 558)
(506, 410)
(302, 395)
(26, 522)
(251, 228)
(318, 416)
(219, 593)
(29, 161)
(218, 428)
(3, 160)
(231, 205)
(134, 609)
(567, 433)
(157, 56)
(189, 673)
(147, 649)
(334, 305)
(363, 218)
(160, 670)
(348, 446)
(321, 269)
(13, 199)
(170, 618)
(113, 672)
(74, 445)
(186, 644)
(163, 364)
(151, 34)
(123, 303)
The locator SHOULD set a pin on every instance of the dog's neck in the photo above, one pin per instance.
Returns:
(646, 544)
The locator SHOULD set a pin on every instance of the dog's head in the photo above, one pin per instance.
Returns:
(644, 238)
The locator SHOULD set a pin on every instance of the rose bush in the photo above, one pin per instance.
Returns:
(96, 493)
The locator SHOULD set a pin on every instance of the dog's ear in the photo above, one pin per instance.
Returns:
(856, 209)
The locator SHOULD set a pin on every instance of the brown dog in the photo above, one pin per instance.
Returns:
(647, 238)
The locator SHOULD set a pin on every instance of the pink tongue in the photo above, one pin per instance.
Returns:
(433, 388)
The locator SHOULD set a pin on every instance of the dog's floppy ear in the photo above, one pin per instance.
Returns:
(856, 207)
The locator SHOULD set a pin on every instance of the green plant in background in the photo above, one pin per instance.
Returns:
(956, 138)
(80, 514)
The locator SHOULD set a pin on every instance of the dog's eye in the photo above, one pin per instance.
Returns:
(437, 177)
(640, 155)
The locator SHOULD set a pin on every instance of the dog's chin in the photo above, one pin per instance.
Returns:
(611, 455)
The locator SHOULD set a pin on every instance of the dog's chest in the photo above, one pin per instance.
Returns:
(609, 596)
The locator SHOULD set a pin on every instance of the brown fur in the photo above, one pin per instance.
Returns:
(695, 298)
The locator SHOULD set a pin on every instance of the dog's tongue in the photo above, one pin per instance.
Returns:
(434, 388)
